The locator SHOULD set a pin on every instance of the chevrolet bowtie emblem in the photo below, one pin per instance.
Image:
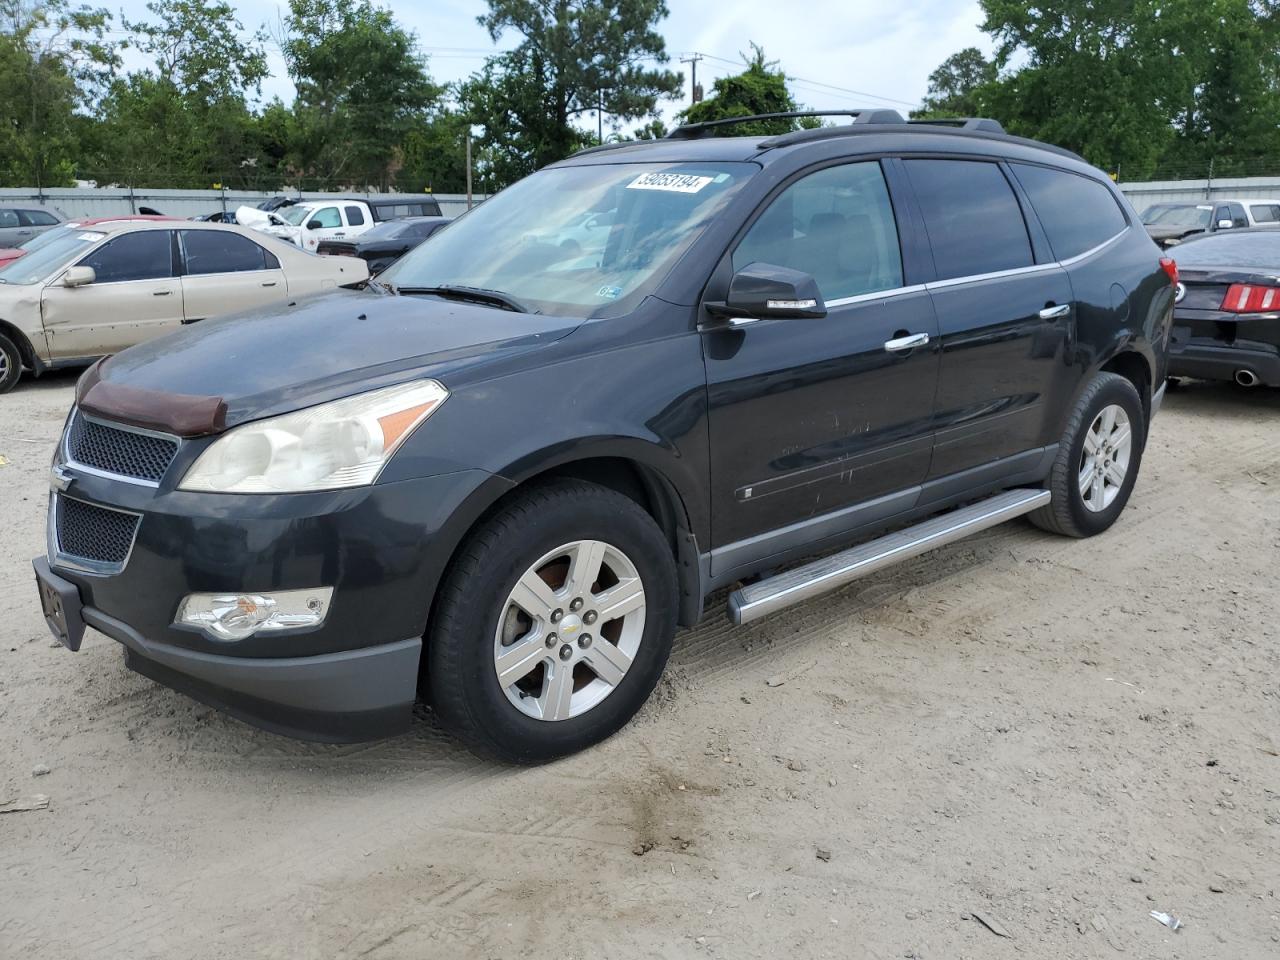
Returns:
(59, 479)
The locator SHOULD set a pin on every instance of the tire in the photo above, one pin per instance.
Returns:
(10, 364)
(1075, 512)
(485, 623)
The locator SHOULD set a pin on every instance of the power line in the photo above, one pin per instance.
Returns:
(819, 83)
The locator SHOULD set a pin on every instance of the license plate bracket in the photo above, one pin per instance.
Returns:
(60, 602)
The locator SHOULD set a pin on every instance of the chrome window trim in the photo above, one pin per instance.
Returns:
(69, 461)
(996, 275)
(1079, 257)
(878, 295)
(68, 561)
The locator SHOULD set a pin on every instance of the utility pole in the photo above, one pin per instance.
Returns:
(600, 117)
(468, 168)
(695, 94)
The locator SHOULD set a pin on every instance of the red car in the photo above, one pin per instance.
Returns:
(9, 254)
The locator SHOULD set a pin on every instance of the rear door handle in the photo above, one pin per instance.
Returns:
(906, 343)
(268, 283)
(161, 293)
(1055, 313)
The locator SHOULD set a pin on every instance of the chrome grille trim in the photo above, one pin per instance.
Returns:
(61, 557)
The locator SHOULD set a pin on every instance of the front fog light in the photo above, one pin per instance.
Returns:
(234, 616)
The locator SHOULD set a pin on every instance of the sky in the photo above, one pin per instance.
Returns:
(840, 54)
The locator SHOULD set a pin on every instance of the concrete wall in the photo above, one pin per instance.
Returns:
(112, 201)
(1142, 195)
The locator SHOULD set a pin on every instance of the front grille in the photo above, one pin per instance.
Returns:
(119, 450)
(86, 532)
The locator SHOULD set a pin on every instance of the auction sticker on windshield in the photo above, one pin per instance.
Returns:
(671, 182)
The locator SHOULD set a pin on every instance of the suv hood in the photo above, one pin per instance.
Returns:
(279, 359)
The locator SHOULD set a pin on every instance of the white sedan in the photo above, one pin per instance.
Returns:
(92, 288)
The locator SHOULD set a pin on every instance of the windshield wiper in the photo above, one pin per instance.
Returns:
(459, 291)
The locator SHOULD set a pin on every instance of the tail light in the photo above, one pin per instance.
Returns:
(1251, 298)
(1171, 268)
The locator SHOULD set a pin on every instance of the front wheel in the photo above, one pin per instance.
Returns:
(554, 625)
(10, 364)
(1098, 459)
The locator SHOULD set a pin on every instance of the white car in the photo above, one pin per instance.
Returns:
(309, 223)
(93, 288)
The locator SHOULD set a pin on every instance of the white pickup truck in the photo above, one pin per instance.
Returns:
(306, 223)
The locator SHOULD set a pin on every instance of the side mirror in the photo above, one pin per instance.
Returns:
(79, 276)
(313, 224)
(1225, 224)
(766, 291)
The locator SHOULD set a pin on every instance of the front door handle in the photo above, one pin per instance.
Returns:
(268, 283)
(161, 293)
(1055, 312)
(906, 343)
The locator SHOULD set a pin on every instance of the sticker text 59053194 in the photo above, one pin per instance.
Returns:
(671, 182)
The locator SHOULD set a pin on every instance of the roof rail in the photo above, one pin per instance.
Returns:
(964, 123)
(692, 131)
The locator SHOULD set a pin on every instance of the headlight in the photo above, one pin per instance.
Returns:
(345, 443)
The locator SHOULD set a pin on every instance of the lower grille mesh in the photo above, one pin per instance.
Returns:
(92, 533)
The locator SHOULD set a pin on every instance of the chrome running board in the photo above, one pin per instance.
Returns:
(756, 600)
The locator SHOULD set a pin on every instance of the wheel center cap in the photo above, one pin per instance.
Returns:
(569, 626)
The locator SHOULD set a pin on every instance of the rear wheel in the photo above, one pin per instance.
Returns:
(1098, 459)
(555, 623)
(10, 364)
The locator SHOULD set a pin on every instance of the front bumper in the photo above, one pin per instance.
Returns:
(382, 548)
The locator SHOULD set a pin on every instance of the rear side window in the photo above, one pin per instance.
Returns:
(37, 218)
(355, 216)
(1077, 213)
(972, 215)
(213, 251)
(836, 225)
(1265, 212)
(144, 255)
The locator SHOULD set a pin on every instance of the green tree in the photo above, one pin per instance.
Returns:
(434, 154)
(362, 87)
(583, 56)
(760, 88)
(185, 121)
(54, 59)
(957, 86)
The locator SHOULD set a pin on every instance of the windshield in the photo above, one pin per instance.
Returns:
(294, 214)
(43, 259)
(1253, 250)
(1181, 217)
(584, 241)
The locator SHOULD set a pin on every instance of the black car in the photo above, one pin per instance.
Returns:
(501, 476)
(382, 245)
(1226, 320)
(218, 216)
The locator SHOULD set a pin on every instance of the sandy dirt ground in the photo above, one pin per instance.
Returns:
(1057, 736)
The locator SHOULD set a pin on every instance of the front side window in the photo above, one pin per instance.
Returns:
(9, 218)
(1077, 213)
(355, 216)
(325, 217)
(972, 216)
(216, 251)
(527, 242)
(144, 255)
(37, 218)
(836, 225)
(1236, 212)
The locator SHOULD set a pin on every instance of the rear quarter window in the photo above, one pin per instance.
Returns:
(972, 216)
(1077, 213)
(1265, 212)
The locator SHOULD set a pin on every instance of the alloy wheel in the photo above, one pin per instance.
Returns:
(1104, 462)
(569, 630)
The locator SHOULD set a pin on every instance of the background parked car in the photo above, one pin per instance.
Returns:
(97, 287)
(19, 224)
(385, 243)
(218, 216)
(1170, 223)
(308, 223)
(1226, 320)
